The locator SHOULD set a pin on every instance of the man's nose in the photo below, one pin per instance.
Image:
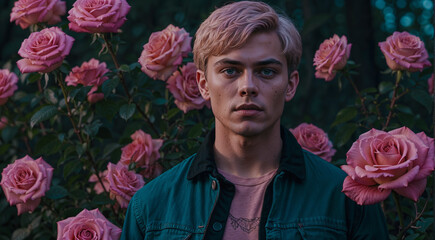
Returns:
(248, 85)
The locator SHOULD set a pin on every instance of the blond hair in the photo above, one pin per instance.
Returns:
(230, 27)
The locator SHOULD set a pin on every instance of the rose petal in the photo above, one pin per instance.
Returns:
(362, 194)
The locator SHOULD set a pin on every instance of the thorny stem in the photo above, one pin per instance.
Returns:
(77, 131)
(124, 85)
(393, 100)
(402, 232)
(65, 95)
(358, 93)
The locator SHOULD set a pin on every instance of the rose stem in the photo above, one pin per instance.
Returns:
(124, 85)
(393, 100)
(358, 93)
(77, 131)
(417, 217)
(399, 210)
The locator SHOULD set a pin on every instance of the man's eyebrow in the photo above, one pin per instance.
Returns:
(268, 61)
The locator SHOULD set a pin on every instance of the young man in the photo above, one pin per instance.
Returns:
(250, 179)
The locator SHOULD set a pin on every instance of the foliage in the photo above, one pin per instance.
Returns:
(78, 139)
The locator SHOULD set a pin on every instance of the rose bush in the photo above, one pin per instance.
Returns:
(182, 85)
(95, 16)
(25, 181)
(380, 162)
(44, 51)
(404, 51)
(8, 85)
(28, 12)
(331, 56)
(164, 52)
(87, 225)
(314, 140)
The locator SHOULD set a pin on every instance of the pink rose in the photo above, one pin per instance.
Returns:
(44, 51)
(88, 74)
(8, 85)
(28, 12)
(314, 140)
(142, 151)
(3, 122)
(164, 52)
(430, 84)
(404, 51)
(87, 225)
(123, 183)
(331, 56)
(185, 89)
(25, 181)
(95, 16)
(379, 162)
(98, 188)
(151, 171)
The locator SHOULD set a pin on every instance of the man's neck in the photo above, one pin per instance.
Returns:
(248, 156)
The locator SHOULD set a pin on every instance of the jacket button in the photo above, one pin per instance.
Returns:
(213, 185)
(217, 226)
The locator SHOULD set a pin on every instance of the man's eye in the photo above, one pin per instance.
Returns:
(229, 71)
(267, 72)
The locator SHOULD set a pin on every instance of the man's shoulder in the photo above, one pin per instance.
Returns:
(167, 180)
(319, 169)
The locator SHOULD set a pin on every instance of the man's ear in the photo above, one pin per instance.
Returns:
(293, 82)
(202, 84)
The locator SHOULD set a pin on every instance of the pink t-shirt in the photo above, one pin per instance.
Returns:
(245, 211)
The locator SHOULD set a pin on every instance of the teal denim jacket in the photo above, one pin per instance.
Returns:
(304, 201)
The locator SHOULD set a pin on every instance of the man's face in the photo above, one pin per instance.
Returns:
(248, 86)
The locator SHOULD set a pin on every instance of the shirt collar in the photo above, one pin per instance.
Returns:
(292, 160)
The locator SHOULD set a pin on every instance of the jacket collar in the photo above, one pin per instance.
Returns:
(291, 162)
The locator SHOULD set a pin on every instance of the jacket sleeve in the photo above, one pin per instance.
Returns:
(366, 222)
(134, 227)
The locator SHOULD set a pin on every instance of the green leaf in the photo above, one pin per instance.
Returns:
(385, 87)
(195, 131)
(56, 192)
(93, 128)
(109, 85)
(345, 115)
(423, 98)
(160, 101)
(43, 114)
(126, 111)
(79, 94)
(344, 133)
(33, 77)
(50, 96)
(124, 68)
(21, 233)
(35, 222)
(172, 112)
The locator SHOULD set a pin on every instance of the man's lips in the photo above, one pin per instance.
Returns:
(248, 110)
(247, 107)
